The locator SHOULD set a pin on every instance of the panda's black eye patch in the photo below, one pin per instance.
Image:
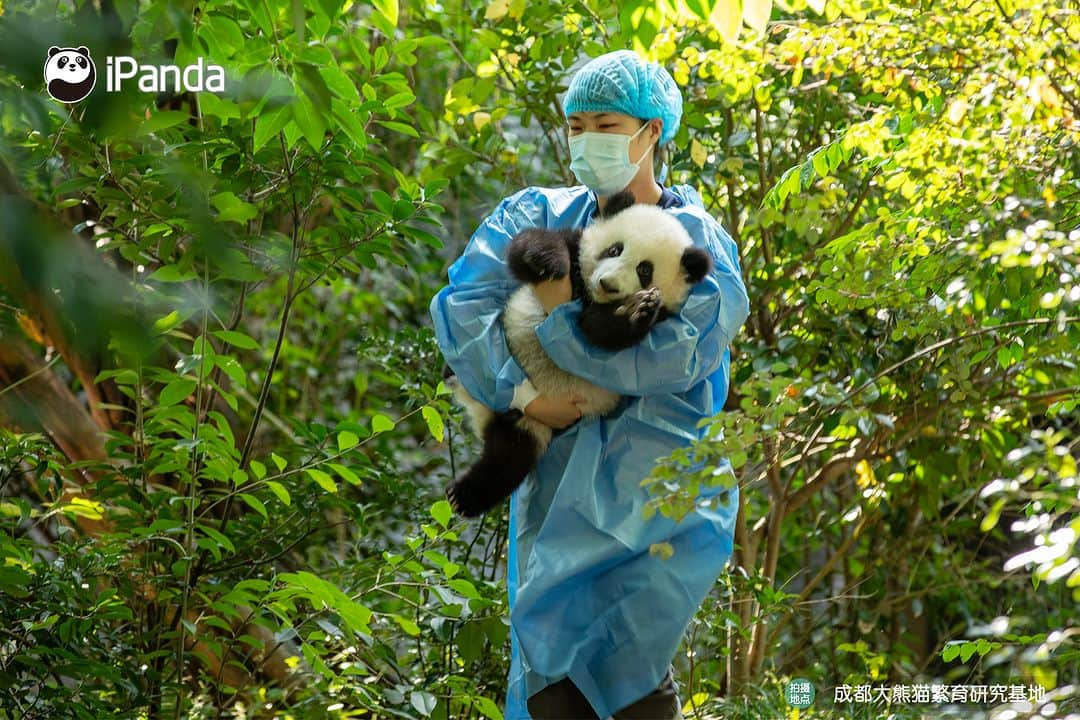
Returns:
(81, 61)
(613, 251)
(63, 60)
(644, 273)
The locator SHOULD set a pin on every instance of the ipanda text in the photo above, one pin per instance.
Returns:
(159, 78)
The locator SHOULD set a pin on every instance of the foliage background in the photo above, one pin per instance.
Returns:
(224, 439)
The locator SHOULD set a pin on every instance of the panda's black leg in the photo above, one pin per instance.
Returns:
(510, 453)
(615, 326)
(535, 254)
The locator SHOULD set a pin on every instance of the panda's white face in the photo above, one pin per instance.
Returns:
(639, 247)
(68, 65)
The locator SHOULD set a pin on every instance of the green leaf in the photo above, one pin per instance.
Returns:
(232, 369)
(165, 324)
(991, 518)
(397, 100)
(161, 120)
(330, 8)
(346, 474)
(313, 86)
(382, 201)
(255, 503)
(10, 510)
(348, 122)
(389, 10)
(323, 479)
(381, 423)
(402, 209)
(436, 558)
(424, 702)
(292, 133)
(212, 105)
(310, 121)
(13, 581)
(463, 586)
(835, 155)
(407, 625)
(442, 512)
(233, 209)
(339, 83)
(219, 538)
(175, 392)
(270, 124)
(227, 32)
(489, 709)
(238, 339)
(278, 461)
(700, 8)
(346, 440)
(434, 422)
(423, 236)
(172, 273)
(399, 127)
(83, 507)
(356, 616)
(279, 490)
(1004, 357)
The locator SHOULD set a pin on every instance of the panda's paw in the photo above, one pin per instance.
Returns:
(465, 503)
(642, 307)
(451, 497)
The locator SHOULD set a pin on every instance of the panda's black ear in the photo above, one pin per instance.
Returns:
(618, 202)
(697, 263)
(84, 50)
(53, 50)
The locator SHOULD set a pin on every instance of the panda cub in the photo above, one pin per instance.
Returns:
(69, 73)
(631, 269)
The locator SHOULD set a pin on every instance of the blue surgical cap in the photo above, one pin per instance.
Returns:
(622, 81)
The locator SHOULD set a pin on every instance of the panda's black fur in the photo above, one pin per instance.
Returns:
(620, 305)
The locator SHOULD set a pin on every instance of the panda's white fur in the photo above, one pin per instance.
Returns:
(644, 233)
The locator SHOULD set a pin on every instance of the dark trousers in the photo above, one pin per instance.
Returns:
(563, 701)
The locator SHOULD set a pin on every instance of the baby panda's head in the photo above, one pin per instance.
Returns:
(69, 73)
(636, 246)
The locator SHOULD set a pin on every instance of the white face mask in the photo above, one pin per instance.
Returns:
(601, 161)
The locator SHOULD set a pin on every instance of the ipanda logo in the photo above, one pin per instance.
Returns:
(70, 75)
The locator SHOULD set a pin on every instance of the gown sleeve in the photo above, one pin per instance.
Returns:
(680, 351)
(467, 312)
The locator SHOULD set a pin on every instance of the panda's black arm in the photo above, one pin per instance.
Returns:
(607, 329)
(536, 254)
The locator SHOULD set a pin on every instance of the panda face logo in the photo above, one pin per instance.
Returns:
(69, 73)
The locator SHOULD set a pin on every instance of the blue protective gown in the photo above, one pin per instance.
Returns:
(587, 599)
